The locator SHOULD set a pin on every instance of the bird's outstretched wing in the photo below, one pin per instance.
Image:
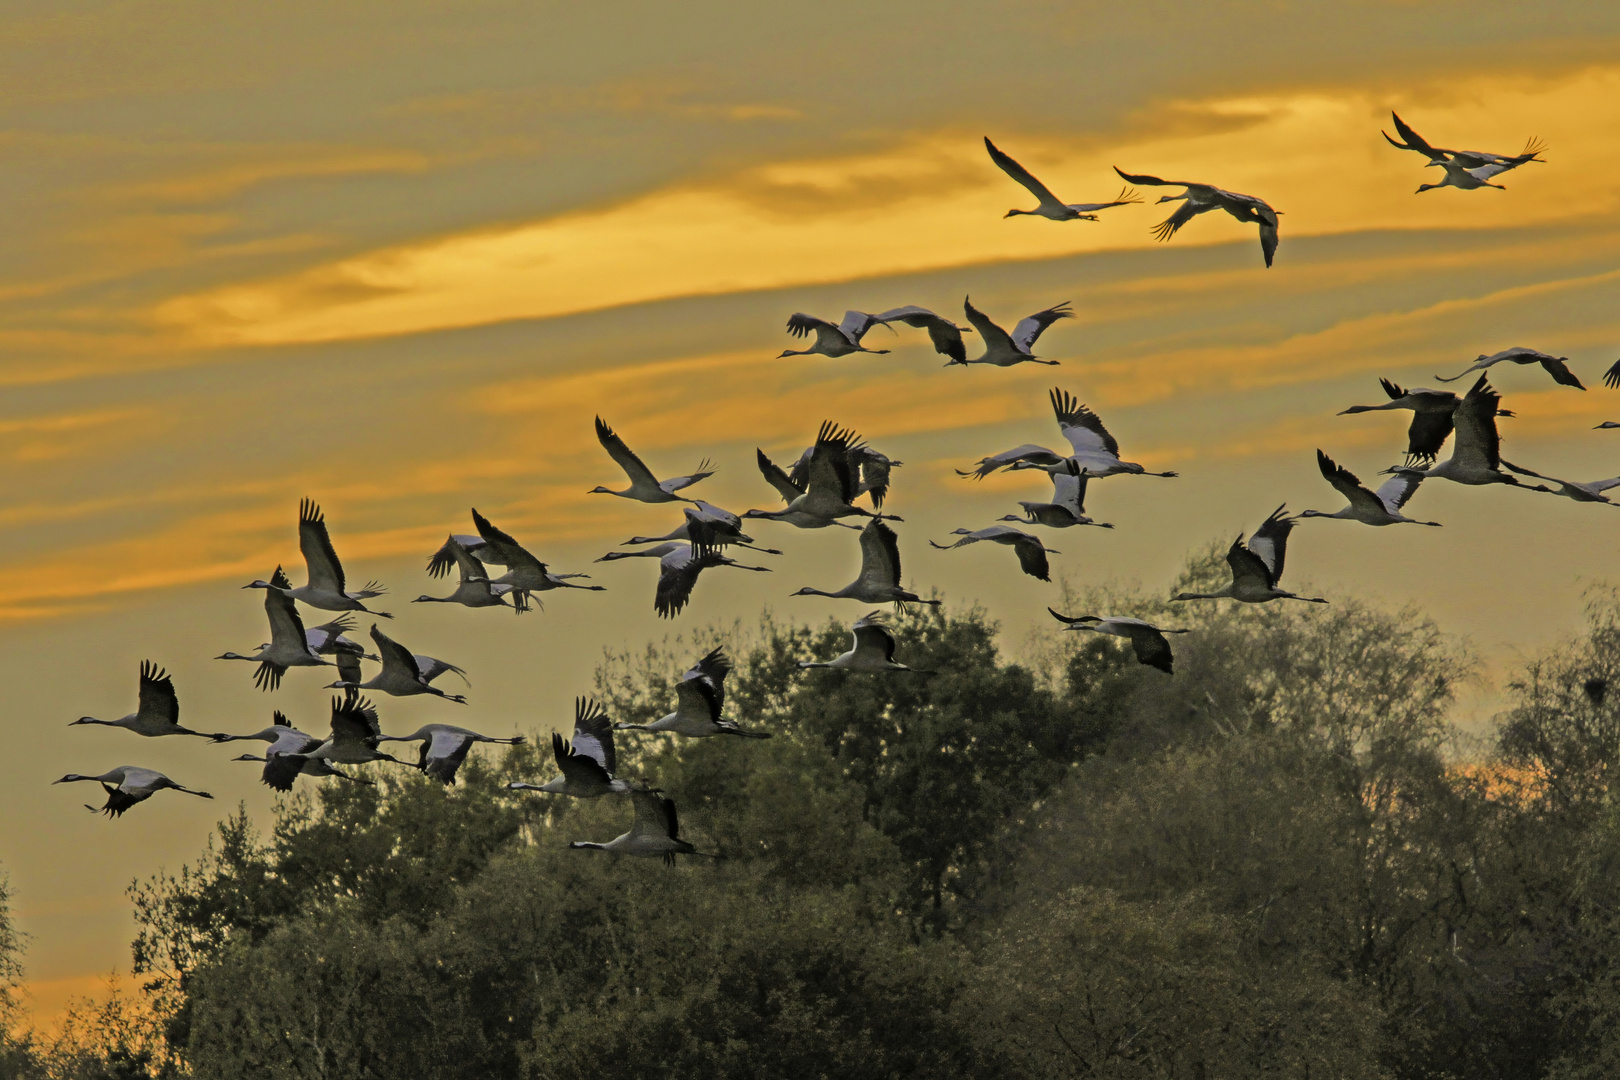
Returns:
(1268, 237)
(623, 455)
(1414, 141)
(880, 555)
(945, 335)
(1153, 181)
(1023, 176)
(157, 698)
(1270, 543)
(1126, 197)
(1398, 490)
(856, 324)
(1031, 326)
(1475, 420)
(1167, 228)
(712, 669)
(1083, 428)
(593, 734)
(1558, 368)
(993, 335)
(778, 479)
(1344, 481)
(320, 557)
(1152, 648)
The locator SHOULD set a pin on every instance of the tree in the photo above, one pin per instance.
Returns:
(17, 1058)
(1088, 985)
(945, 762)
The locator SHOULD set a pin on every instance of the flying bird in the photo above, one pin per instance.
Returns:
(790, 490)
(275, 733)
(445, 747)
(332, 639)
(356, 732)
(1093, 448)
(401, 674)
(1202, 198)
(1556, 366)
(1382, 507)
(833, 341)
(1466, 179)
(871, 469)
(1257, 567)
(157, 708)
(644, 486)
(1003, 349)
(1570, 489)
(588, 765)
(283, 759)
(706, 525)
(1476, 457)
(127, 785)
(289, 644)
(871, 650)
(1431, 418)
(524, 573)
(945, 335)
(281, 768)
(326, 588)
(475, 589)
(1147, 641)
(1468, 159)
(1049, 206)
(678, 568)
(831, 481)
(1031, 552)
(1068, 505)
(655, 834)
(699, 698)
(879, 579)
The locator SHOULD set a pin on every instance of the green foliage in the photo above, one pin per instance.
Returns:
(1090, 985)
(943, 764)
(17, 1059)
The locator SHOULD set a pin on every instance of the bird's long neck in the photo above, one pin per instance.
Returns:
(810, 590)
(1223, 594)
(632, 727)
(589, 845)
(103, 723)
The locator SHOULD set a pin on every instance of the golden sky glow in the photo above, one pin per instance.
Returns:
(398, 264)
(928, 204)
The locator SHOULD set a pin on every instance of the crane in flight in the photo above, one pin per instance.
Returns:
(1049, 205)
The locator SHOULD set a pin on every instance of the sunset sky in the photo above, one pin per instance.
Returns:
(395, 257)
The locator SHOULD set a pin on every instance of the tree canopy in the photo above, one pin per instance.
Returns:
(1272, 863)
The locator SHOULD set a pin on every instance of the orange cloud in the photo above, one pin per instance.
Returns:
(934, 202)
